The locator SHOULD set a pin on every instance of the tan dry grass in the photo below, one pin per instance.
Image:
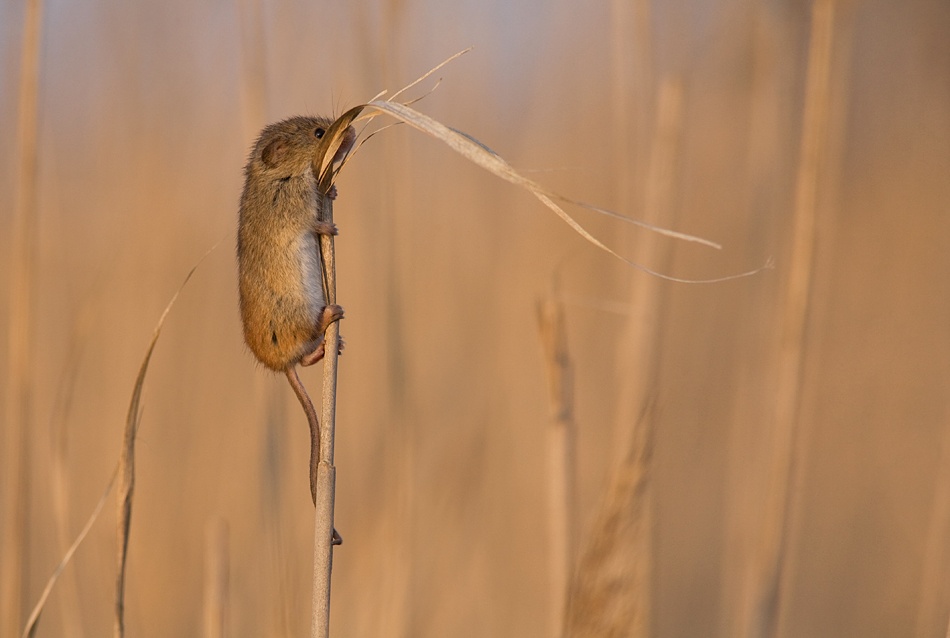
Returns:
(764, 597)
(216, 579)
(125, 473)
(561, 465)
(323, 530)
(466, 145)
(439, 288)
(21, 267)
(126, 470)
(612, 591)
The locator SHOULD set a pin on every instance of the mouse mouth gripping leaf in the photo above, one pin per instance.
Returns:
(338, 140)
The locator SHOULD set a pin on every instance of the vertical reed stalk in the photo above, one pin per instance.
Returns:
(631, 88)
(326, 472)
(216, 579)
(253, 62)
(611, 593)
(560, 457)
(762, 607)
(17, 415)
(59, 476)
(395, 198)
(273, 504)
(932, 609)
(766, 145)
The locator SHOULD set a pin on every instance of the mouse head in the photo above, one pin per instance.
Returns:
(288, 147)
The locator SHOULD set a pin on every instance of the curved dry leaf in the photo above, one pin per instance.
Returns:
(480, 154)
(125, 468)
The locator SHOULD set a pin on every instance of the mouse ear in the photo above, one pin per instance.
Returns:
(273, 152)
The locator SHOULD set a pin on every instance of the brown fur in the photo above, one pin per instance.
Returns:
(280, 279)
(283, 306)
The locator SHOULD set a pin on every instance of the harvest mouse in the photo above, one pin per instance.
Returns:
(283, 307)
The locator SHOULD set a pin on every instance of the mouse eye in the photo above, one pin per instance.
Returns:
(319, 133)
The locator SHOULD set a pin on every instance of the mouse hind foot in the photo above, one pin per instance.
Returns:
(328, 315)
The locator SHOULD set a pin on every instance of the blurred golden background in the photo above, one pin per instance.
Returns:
(811, 399)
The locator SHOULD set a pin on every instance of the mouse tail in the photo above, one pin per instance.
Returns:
(314, 423)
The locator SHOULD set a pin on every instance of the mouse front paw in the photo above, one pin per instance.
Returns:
(325, 228)
(330, 314)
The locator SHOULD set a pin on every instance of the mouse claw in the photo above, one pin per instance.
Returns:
(325, 228)
(332, 193)
(336, 539)
(331, 313)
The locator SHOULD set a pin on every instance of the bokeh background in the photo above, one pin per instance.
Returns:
(691, 113)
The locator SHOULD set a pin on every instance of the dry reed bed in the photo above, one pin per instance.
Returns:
(408, 499)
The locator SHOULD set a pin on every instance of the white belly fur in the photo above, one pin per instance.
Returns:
(308, 252)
